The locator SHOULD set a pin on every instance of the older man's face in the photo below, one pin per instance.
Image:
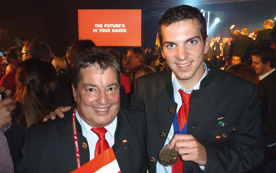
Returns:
(97, 96)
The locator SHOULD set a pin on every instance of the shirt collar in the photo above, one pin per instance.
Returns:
(177, 86)
(111, 128)
(266, 74)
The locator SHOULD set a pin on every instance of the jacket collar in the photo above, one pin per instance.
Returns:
(212, 71)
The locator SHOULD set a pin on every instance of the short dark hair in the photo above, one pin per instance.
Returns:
(138, 51)
(179, 13)
(96, 58)
(266, 54)
(41, 50)
(12, 52)
(79, 47)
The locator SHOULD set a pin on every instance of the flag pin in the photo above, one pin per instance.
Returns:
(124, 141)
(218, 136)
(220, 118)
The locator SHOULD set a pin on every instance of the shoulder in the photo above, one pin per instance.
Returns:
(132, 122)
(157, 77)
(51, 128)
(233, 82)
(131, 117)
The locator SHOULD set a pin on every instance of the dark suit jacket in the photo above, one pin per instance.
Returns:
(264, 38)
(49, 147)
(242, 46)
(267, 101)
(221, 95)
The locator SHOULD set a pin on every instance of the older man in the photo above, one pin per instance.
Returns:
(89, 128)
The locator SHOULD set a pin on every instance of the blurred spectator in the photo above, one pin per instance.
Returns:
(6, 106)
(60, 65)
(264, 37)
(124, 83)
(135, 58)
(245, 71)
(25, 50)
(63, 89)
(141, 71)
(35, 99)
(14, 57)
(235, 60)
(41, 50)
(264, 61)
(77, 48)
(242, 44)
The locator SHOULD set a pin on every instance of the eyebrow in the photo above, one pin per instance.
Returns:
(92, 85)
(189, 39)
(195, 37)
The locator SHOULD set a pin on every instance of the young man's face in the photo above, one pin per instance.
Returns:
(97, 96)
(183, 48)
(259, 67)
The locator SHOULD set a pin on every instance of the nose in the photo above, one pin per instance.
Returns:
(102, 98)
(181, 52)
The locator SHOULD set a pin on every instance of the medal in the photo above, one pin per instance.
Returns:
(168, 156)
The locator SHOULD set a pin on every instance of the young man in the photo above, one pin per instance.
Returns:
(66, 145)
(263, 62)
(223, 127)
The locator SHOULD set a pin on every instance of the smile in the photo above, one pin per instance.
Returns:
(101, 109)
(184, 65)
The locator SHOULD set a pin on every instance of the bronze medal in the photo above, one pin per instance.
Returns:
(167, 156)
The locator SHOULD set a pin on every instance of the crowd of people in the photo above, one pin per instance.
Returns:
(210, 102)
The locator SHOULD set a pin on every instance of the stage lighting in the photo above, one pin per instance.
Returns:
(217, 20)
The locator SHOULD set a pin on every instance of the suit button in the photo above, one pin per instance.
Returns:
(162, 135)
(84, 145)
(171, 110)
(224, 136)
(152, 160)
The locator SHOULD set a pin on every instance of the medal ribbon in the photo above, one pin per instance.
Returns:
(176, 125)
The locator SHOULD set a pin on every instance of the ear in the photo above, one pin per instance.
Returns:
(74, 90)
(268, 66)
(162, 53)
(206, 46)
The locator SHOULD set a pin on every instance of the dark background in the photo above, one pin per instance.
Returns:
(55, 21)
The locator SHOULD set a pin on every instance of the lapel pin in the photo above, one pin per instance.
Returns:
(218, 136)
(124, 141)
(220, 118)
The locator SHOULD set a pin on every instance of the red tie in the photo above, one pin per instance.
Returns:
(182, 117)
(183, 112)
(102, 144)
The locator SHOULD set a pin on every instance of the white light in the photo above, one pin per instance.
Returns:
(275, 18)
(217, 20)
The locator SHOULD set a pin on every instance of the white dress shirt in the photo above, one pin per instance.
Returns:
(177, 98)
(266, 74)
(92, 138)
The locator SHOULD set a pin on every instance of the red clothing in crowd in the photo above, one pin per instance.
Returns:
(8, 81)
(125, 82)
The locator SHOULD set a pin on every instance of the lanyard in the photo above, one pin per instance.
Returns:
(75, 134)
